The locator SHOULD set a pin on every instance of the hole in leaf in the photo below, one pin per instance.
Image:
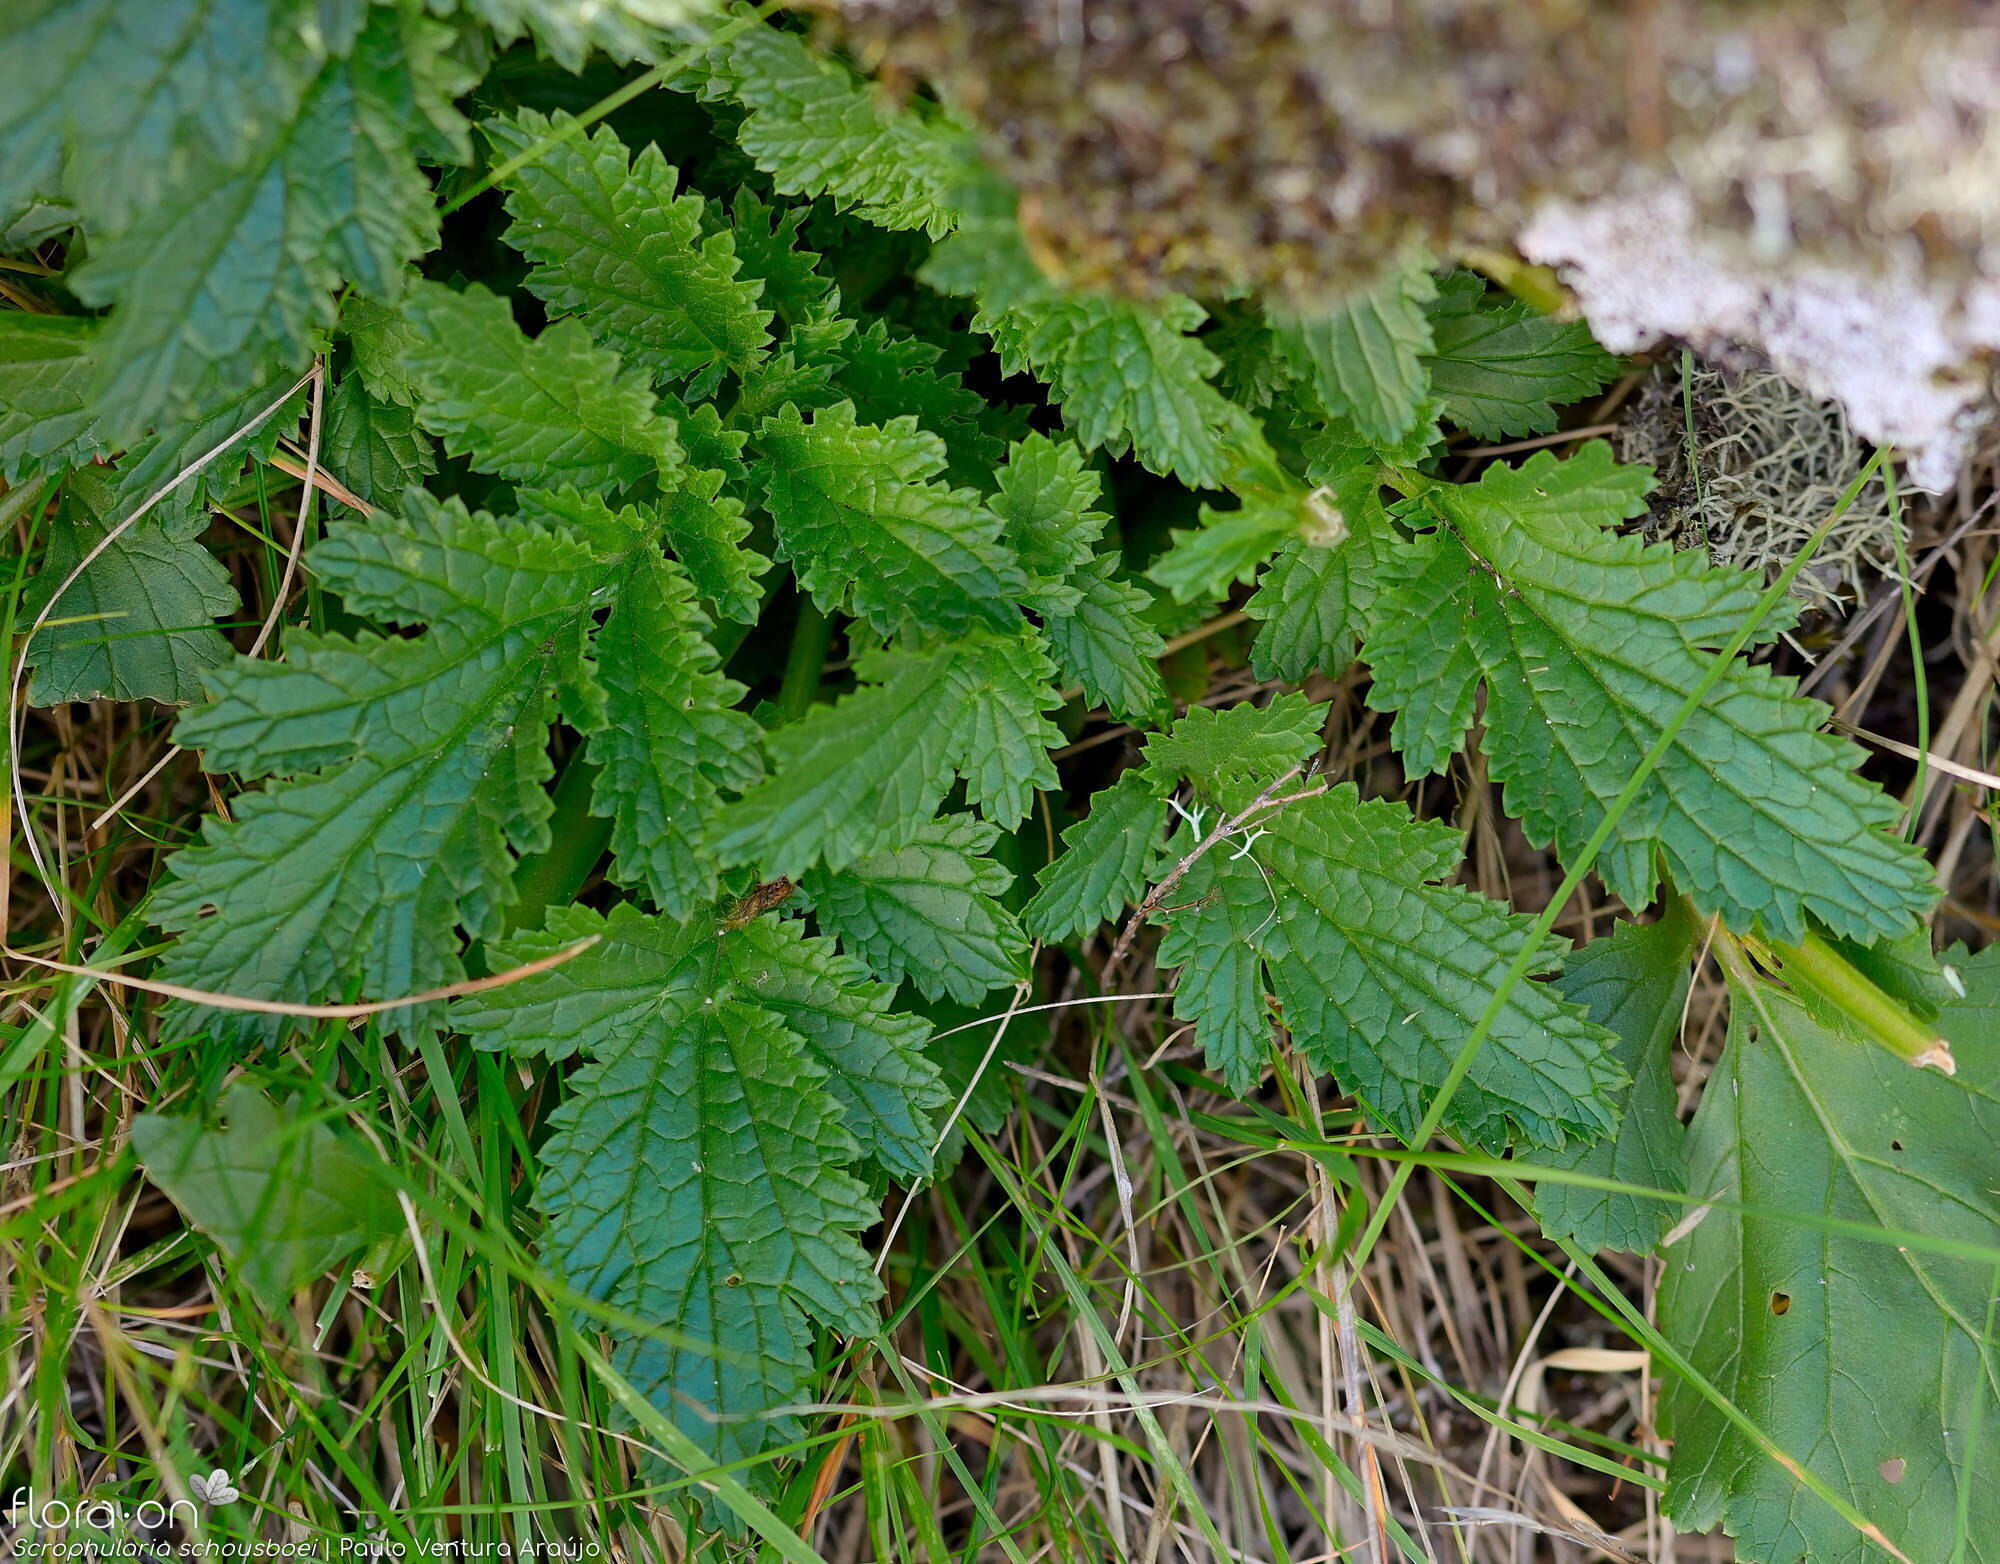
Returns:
(1895, 1145)
(733, 1279)
(1780, 1302)
(1892, 1469)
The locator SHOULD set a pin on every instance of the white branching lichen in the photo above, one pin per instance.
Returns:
(1766, 464)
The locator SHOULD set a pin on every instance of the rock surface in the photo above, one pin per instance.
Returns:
(1812, 184)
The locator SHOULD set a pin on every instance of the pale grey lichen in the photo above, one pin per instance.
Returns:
(1747, 466)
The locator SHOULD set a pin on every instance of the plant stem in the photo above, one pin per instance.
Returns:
(1816, 967)
(577, 839)
(806, 661)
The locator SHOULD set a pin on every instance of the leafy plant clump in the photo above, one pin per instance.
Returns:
(718, 533)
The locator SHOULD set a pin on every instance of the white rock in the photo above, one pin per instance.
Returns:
(1902, 352)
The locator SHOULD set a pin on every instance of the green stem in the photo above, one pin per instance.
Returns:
(1919, 789)
(806, 661)
(1815, 966)
(577, 839)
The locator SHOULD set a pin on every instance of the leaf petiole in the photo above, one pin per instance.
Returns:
(1816, 968)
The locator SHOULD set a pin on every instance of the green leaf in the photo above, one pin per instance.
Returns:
(877, 1069)
(1380, 971)
(1129, 377)
(927, 910)
(1108, 858)
(1213, 746)
(236, 266)
(1587, 643)
(378, 337)
(693, 1178)
(698, 1176)
(47, 364)
(1093, 619)
(641, 966)
(1272, 508)
(1127, 374)
(1107, 645)
(709, 535)
(554, 409)
(1220, 987)
(860, 776)
(661, 722)
(1503, 369)
(1365, 359)
(1228, 547)
(1045, 500)
(1318, 600)
(144, 608)
(417, 764)
(121, 99)
(816, 130)
(613, 245)
(1635, 985)
(871, 532)
(282, 1194)
(1867, 1362)
(567, 30)
(888, 376)
(373, 447)
(142, 614)
(770, 249)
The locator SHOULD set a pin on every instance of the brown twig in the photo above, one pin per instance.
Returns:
(1159, 893)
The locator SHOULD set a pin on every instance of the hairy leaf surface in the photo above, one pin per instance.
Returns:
(551, 409)
(859, 776)
(1503, 369)
(1634, 983)
(870, 530)
(1333, 905)
(1587, 644)
(1365, 358)
(1870, 1363)
(700, 1172)
(928, 910)
(416, 767)
(615, 247)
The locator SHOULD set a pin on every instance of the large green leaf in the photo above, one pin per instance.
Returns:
(286, 1197)
(1105, 863)
(928, 910)
(117, 96)
(615, 246)
(1336, 906)
(550, 409)
(1502, 369)
(415, 766)
(237, 264)
(1634, 983)
(700, 1174)
(47, 422)
(816, 130)
(139, 622)
(1872, 1364)
(863, 775)
(870, 530)
(1588, 642)
(1364, 357)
